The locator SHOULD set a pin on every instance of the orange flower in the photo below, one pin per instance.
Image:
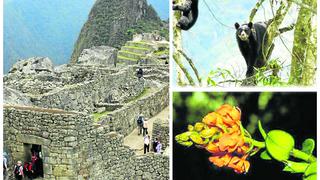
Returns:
(239, 165)
(230, 142)
(211, 119)
(226, 144)
(213, 148)
(220, 161)
(243, 149)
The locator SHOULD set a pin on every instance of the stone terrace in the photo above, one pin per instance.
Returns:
(79, 114)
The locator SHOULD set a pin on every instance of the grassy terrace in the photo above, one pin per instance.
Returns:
(139, 48)
(129, 52)
(145, 92)
(126, 58)
(162, 52)
(97, 116)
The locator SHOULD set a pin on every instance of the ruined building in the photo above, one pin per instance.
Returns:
(78, 115)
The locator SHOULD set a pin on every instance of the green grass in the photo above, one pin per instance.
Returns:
(139, 48)
(143, 93)
(128, 52)
(97, 116)
(126, 58)
(162, 52)
(140, 42)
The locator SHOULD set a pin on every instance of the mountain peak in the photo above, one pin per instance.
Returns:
(113, 22)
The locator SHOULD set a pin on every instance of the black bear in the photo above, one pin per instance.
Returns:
(189, 14)
(251, 39)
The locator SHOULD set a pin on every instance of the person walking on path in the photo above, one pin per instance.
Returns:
(5, 166)
(159, 147)
(140, 124)
(146, 143)
(145, 126)
(18, 171)
(154, 145)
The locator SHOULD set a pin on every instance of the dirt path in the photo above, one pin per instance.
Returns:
(135, 142)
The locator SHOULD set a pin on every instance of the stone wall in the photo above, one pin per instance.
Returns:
(161, 131)
(147, 167)
(55, 130)
(82, 97)
(123, 120)
(72, 148)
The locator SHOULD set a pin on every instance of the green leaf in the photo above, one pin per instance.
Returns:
(263, 133)
(185, 143)
(296, 167)
(264, 155)
(308, 146)
(311, 177)
(279, 144)
(311, 172)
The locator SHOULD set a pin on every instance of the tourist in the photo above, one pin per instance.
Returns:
(140, 124)
(5, 166)
(159, 147)
(154, 145)
(146, 143)
(145, 126)
(140, 73)
(18, 171)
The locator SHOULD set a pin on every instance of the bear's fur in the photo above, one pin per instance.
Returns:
(189, 14)
(251, 38)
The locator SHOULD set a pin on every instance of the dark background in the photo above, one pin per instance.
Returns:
(294, 113)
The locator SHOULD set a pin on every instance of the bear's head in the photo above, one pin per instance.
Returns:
(244, 31)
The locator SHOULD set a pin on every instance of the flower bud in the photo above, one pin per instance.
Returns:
(198, 126)
(207, 133)
(279, 144)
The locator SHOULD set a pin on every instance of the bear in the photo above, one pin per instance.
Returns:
(251, 39)
(189, 14)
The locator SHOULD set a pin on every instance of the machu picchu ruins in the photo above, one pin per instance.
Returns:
(82, 117)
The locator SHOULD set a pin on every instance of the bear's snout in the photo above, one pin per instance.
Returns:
(243, 36)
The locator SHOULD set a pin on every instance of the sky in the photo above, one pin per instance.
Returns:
(162, 8)
(212, 45)
(33, 28)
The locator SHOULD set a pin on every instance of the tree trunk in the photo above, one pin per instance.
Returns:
(177, 56)
(303, 62)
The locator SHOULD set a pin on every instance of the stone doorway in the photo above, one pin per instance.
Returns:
(33, 156)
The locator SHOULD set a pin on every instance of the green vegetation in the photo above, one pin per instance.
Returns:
(139, 48)
(161, 52)
(101, 29)
(143, 93)
(126, 58)
(265, 76)
(132, 53)
(97, 116)
(147, 27)
(303, 53)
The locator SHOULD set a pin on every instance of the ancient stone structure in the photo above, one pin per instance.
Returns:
(79, 114)
(161, 131)
(146, 48)
(104, 55)
(148, 37)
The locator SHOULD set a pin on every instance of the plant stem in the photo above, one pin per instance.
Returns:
(255, 143)
(302, 155)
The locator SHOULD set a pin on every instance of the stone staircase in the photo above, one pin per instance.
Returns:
(156, 73)
(133, 51)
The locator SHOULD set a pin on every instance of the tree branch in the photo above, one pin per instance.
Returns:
(286, 29)
(255, 9)
(184, 70)
(192, 65)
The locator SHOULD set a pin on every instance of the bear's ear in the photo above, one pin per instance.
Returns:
(237, 25)
(250, 25)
